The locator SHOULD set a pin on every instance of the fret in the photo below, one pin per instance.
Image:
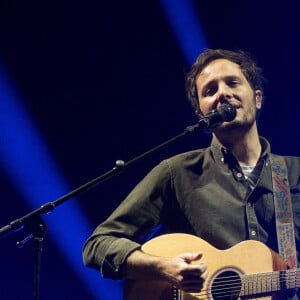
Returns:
(261, 283)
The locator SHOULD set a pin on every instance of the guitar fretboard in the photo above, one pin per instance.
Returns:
(267, 283)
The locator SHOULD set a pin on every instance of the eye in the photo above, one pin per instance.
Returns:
(209, 91)
(233, 82)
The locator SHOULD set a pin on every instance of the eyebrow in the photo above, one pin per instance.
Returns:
(226, 78)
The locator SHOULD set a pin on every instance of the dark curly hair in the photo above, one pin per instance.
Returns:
(248, 67)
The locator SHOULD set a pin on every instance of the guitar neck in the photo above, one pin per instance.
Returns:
(268, 283)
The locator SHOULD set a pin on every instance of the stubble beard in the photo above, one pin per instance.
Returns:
(237, 126)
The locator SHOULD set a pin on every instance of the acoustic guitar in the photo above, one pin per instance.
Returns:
(248, 270)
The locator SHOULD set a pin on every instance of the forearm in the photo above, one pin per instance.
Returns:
(140, 265)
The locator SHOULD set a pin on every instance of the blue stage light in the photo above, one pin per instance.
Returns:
(186, 26)
(28, 162)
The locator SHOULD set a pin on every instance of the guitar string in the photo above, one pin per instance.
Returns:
(264, 283)
(287, 277)
(223, 290)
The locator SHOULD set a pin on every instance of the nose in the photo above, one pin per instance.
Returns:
(224, 93)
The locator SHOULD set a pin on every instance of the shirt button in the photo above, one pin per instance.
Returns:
(253, 232)
(239, 175)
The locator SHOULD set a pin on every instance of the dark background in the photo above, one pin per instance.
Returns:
(104, 80)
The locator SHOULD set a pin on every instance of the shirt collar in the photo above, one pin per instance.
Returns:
(220, 152)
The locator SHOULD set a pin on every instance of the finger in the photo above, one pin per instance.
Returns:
(189, 257)
(204, 275)
(192, 286)
(195, 270)
(193, 280)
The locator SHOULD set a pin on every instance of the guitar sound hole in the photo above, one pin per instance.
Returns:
(226, 285)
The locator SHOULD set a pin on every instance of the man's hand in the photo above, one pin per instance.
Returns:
(183, 274)
(180, 270)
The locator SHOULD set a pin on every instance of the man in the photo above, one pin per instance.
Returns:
(222, 194)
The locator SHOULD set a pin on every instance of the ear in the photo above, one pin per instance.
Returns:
(258, 99)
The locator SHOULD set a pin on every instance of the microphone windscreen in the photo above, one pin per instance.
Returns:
(228, 112)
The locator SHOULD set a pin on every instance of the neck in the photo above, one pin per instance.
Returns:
(244, 145)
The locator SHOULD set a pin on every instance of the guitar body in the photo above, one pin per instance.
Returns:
(245, 258)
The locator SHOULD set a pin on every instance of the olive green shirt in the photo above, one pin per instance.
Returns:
(202, 192)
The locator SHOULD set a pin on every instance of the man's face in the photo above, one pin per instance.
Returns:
(222, 81)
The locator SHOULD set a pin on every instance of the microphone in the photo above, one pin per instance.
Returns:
(226, 113)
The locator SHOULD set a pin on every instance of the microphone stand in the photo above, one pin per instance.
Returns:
(34, 222)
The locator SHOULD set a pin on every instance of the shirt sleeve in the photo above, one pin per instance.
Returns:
(113, 240)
